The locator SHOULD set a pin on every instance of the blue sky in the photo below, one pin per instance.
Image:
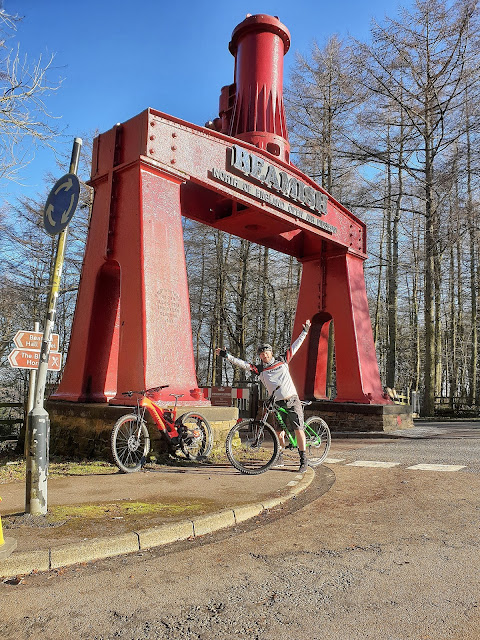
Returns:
(117, 58)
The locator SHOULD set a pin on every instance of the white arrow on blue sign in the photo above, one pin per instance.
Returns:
(61, 204)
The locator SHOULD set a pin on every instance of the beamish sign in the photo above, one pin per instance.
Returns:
(268, 175)
(257, 169)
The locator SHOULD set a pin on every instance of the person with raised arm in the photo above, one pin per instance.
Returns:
(274, 374)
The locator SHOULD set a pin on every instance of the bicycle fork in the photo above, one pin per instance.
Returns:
(140, 415)
(258, 434)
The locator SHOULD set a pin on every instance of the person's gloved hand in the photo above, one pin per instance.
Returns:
(307, 326)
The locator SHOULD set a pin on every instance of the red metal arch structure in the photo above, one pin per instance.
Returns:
(132, 326)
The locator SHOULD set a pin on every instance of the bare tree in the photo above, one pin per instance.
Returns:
(320, 106)
(25, 121)
(418, 62)
(26, 261)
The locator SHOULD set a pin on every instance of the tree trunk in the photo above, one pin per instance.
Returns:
(472, 238)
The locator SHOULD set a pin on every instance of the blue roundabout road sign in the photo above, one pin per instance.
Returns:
(61, 204)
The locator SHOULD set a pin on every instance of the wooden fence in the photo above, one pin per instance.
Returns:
(11, 419)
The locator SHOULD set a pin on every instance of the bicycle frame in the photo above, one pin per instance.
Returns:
(163, 421)
(292, 438)
(272, 408)
(163, 418)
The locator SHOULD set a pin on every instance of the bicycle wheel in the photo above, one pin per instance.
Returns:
(318, 437)
(130, 443)
(252, 447)
(196, 436)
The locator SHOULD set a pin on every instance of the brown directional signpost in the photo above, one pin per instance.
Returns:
(26, 354)
(29, 359)
(33, 340)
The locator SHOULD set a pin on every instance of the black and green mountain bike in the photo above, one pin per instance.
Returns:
(253, 446)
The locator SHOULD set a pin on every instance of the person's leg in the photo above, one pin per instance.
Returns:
(295, 415)
(301, 439)
(302, 445)
(281, 438)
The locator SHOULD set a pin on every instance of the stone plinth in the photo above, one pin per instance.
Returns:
(350, 417)
(83, 430)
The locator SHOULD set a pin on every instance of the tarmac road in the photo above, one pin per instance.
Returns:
(365, 552)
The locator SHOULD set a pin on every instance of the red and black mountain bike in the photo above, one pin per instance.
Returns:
(191, 433)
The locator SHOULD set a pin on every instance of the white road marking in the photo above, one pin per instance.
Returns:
(314, 462)
(372, 463)
(437, 467)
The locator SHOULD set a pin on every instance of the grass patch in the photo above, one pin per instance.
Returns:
(86, 468)
(120, 510)
(13, 471)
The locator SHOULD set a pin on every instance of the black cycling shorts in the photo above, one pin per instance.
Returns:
(294, 412)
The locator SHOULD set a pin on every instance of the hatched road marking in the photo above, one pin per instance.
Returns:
(372, 463)
(376, 464)
(437, 467)
(315, 462)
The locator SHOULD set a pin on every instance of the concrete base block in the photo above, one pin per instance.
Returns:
(247, 511)
(351, 417)
(9, 545)
(275, 502)
(303, 481)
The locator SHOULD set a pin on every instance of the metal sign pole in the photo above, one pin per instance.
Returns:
(32, 381)
(39, 421)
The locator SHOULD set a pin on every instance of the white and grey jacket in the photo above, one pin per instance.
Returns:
(274, 374)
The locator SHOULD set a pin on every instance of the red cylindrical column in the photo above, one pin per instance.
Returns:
(259, 44)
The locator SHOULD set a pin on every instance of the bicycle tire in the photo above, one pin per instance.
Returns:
(196, 440)
(129, 451)
(252, 447)
(318, 437)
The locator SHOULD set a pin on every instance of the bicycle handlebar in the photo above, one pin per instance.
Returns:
(270, 402)
(145, 392)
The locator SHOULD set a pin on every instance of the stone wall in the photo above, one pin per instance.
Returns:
(83, 430)
(350, 417)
